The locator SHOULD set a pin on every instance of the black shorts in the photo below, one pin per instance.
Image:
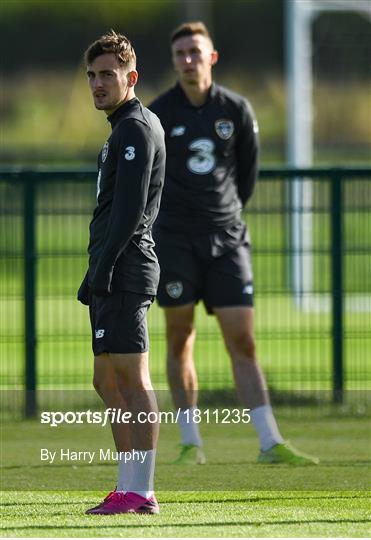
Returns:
(119, 322)
(214, 267)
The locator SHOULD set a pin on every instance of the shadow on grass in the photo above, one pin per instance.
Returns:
(202, 500)
(188, 525)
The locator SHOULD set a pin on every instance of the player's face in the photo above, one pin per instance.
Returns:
(193, 58)
(110, 82)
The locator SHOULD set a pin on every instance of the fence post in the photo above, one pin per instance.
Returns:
(29, 247)
(337, 286)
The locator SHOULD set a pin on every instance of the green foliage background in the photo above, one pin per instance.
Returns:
(47, 114)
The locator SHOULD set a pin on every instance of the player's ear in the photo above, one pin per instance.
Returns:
(132, 77)
(214, 57)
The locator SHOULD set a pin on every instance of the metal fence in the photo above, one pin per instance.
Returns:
(312, 274)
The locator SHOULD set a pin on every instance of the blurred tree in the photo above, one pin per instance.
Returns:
(44, 83)
(248, 33)
(55, 33)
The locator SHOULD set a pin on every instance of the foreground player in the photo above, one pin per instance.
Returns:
(123, 271)
(202, 244)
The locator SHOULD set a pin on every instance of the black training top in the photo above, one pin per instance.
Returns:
(131, 169)
(212, 156)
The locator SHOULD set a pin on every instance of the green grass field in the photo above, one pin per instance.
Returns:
(230, 496)
(208, 514)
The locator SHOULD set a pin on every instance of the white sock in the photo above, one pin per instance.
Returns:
(266, 426)
(124, 473)
(142, 469)
(189, 429)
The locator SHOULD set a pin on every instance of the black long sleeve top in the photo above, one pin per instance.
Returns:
(212, 159)
(131, 167)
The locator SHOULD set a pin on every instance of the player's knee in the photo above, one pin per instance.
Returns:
(242, 345)
(136, 383)
(104, 386)
(179, 338)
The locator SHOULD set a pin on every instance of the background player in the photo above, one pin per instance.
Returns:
(123, 271)
(202, 244)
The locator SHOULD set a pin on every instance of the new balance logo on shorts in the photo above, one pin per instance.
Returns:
(99, 333)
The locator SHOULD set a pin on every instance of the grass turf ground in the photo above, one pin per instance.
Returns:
(192, 514)
(260, 500)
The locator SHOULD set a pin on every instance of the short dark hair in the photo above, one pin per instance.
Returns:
(114, 43)
(189, 29)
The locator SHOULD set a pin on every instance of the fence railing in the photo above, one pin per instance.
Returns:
(313, 338)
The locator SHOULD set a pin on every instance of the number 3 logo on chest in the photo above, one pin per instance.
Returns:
(203, 161)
